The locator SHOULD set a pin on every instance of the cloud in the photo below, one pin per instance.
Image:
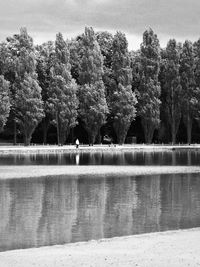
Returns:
(44, 18)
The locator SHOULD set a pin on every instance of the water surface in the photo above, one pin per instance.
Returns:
(178, 157)
(56, 210)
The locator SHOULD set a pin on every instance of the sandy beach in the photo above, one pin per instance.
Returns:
(172, 248)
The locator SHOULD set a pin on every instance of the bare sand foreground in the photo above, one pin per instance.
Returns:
(173, 248)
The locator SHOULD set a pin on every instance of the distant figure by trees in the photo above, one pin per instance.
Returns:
(94, 81)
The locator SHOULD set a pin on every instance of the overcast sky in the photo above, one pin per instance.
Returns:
(178, 19)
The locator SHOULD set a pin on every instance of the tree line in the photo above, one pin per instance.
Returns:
(95, 81)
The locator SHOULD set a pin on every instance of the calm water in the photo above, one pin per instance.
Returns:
(179, 157)
(58, 210)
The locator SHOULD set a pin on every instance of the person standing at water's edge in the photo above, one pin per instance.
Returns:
(77, 143)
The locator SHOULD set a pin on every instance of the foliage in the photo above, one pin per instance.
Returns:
(105, 40)
(24, 84)
(44, 56)
(190, 93)
(148, 91)
(123, 109)
(44, 77)
(122, 100)
(91, 59)
(29, 105)
(171, 87)
(93, 108)
(4, 102)
(62, 100)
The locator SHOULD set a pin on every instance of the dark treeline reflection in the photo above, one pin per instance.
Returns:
(178, 157)
(47, 211)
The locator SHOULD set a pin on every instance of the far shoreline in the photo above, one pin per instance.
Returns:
(48, 149)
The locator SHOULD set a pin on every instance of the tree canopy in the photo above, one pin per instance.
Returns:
(94, 84)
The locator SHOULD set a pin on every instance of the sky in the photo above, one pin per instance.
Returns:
(179, 19)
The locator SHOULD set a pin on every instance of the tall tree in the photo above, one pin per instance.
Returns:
(190, 93)
(24, 64)
(105, 40)
(91, 60)
(4, 58)
(148, 91)
(171, 88)
(196, 47)
(45, 54)
(4, 102)
(93, 106)
(122, 100)
(8, 54)
(62, 100)
(29, 106)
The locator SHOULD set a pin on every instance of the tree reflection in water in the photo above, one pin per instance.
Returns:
(57, 210)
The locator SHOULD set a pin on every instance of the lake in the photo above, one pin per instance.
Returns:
(56, 210)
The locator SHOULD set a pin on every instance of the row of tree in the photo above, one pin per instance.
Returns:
(95, 80)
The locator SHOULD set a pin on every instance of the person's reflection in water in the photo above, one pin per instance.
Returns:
(77, 159)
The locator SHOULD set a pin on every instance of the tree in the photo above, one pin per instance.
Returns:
(122, 100)
(24, 84)
(148, 91)
(190, 93)
(105, 41)
(93, 106)
(45, 54)
(8, 53)
(4, 58)
(196, 48)
(4, 102)
(171, 87)
(29, 105)
(91, 60)
(62, 100)
(123, 108)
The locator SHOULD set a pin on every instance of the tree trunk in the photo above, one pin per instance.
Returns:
(173, 126)
(72, 135)
(173, 131)
(63, 135)
(27, 138)
(45, 126)
(15, 132)
(58, 128)
(189, 129)
(92, 137)
(121, 131)
(122, 139)
(149, 129)
(98, 137)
